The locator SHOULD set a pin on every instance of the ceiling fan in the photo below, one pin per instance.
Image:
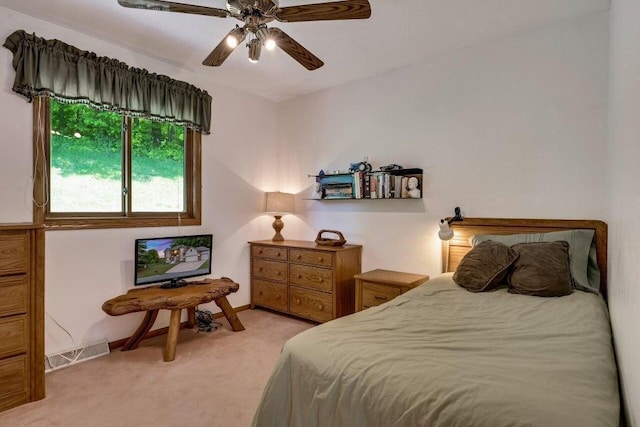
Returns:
(256, 14)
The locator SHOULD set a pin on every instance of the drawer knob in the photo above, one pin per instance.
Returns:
(320, 307)
(299, 257)
(321, 280)
(299, 276)
(260, 251)
(277, 296)
(260, 269)
(298, 301)
(278, 254)
(278, 273)
(380, 297)
(260, 293)
(320, 259)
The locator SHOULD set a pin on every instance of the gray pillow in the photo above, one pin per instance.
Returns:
(485, 266)
(542, 269)
(582, 252)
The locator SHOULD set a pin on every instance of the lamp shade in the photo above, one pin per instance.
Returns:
(255, 47)
(445, 233)
(278, 203)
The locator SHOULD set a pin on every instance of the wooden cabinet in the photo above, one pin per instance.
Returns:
(379, 286)
(21, 314)
(304, 279)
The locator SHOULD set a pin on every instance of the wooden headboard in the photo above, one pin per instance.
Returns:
(455, 249)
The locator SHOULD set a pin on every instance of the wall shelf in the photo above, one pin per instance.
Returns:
(397, 184)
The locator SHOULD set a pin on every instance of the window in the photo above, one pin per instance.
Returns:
(98, 169)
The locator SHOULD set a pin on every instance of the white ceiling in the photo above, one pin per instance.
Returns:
(399, 33)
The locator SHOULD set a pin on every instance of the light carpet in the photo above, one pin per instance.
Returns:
(216, 380)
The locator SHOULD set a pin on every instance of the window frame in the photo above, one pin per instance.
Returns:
(126, 219)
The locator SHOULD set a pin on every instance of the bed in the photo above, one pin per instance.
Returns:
(442, 356)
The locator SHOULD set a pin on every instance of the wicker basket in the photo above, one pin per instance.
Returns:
(324, 241)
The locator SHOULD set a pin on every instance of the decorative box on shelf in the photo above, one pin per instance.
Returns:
(383, 184)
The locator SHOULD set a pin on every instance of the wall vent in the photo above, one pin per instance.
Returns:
(77, 355)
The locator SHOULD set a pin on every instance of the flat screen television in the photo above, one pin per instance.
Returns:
(170, 260)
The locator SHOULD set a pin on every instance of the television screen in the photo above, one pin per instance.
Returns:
(171, 259)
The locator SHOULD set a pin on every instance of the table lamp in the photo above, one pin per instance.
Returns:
(278, 204)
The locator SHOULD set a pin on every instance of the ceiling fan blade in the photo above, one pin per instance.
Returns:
(295, 50)
(351, 9)
(169, 6)
(219, 54)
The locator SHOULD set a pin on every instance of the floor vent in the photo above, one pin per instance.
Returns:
(77, 355)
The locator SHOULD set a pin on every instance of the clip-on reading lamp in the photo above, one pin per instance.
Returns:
(446, 233)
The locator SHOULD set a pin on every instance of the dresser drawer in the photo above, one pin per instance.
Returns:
(14, 253)
(374, 294)
(311, 277)
(14, 381)
(269, 294)
(271, 270)
(269, 252)
(323, 259)
(313, 305)
(14, 295)
(14, 335)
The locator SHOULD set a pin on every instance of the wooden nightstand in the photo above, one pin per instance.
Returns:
(379, 286)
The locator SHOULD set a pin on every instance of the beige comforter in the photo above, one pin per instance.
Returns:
(441, 356)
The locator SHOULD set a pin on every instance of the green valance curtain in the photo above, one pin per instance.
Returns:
(53, 68)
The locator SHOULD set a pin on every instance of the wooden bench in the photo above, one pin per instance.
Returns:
(155, 298)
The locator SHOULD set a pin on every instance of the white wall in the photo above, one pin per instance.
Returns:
(516, 128)
(624, 177)
(84, 268)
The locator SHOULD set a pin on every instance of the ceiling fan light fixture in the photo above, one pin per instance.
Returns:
(255, 47)
(264, 36)
(235, 37)
(270, 44)
(255, 15)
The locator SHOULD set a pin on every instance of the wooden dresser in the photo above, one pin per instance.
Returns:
(304, 279)
(21, 314)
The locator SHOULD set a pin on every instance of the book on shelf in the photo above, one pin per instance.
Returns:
(397, 186)
(338, 191)
(366, 186)
(404, 194)
(358, 184)
(387, 186)
(338, 196)
(381, 185)
(373, 182)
